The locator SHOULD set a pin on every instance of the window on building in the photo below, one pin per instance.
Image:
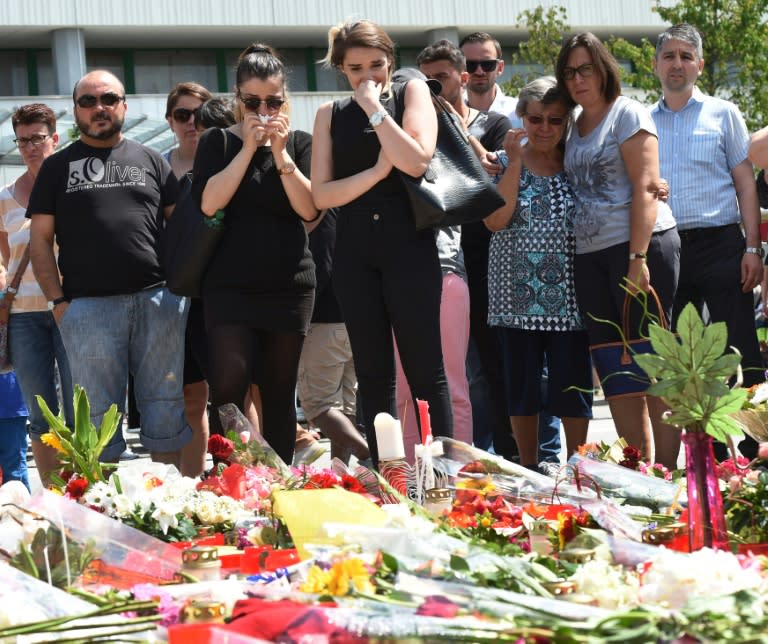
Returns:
(110, 60)
(294, 59)
(13, 82)
(156, 71)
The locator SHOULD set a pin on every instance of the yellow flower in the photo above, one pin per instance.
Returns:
(50, 439)
(316, 581)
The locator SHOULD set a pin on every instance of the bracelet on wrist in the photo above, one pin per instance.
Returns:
(642, 256)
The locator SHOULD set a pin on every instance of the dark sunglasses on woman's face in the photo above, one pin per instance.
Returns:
(538, 120)
(486, 65)
(108, 99)
(252, 103)
(182, 114)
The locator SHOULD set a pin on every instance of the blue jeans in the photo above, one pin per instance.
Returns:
(36, 349)
(106, 337)
(13, 449)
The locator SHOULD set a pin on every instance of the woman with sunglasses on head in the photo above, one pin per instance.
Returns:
(625, 236)
(386, 273)
(258, 290)
(531, 294)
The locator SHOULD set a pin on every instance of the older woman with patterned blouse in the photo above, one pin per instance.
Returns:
(531, 294)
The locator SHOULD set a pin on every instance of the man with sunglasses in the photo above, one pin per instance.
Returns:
(104, 199)
(484, 65)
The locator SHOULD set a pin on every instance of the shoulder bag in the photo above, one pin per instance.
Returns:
(191, 240)
(5, 311)
(455, 189)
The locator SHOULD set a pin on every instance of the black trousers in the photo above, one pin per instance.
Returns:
(387, 279)
(710, 273)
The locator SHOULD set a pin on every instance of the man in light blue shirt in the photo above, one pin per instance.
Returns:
(703, 143)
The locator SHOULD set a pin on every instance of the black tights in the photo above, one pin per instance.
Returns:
(234, 351)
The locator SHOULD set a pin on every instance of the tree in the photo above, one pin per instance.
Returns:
(546, 30)
(735, 39)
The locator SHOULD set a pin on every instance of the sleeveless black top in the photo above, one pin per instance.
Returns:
(355, 147)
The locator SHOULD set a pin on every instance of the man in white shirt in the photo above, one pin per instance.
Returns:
(484, 65)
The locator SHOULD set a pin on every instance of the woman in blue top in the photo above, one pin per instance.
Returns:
(531, 294)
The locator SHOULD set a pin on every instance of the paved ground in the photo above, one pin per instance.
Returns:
(600, 429)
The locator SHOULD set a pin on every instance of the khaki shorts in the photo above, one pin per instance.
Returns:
(327, 377)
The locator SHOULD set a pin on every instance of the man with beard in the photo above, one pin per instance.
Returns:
(104, 199)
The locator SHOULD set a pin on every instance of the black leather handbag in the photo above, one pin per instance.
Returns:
(191, 240)
(455, 189)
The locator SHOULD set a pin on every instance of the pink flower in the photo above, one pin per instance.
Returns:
(734, 484)
(438, 606)
(245, 437)
(762, 451)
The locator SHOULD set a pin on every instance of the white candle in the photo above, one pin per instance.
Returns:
(389, 437)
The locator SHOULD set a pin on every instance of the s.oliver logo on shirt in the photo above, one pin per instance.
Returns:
(92, 172)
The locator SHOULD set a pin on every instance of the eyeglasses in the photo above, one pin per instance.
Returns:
(35, 139)
(486, 65)
(108, 99)
(585, 71)
(253, 103)
(182, 114)
(554, 121)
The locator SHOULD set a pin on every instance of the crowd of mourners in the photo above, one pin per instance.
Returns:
(322, 287)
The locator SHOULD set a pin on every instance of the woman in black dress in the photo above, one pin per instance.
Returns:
(386, 274)
(259, 288)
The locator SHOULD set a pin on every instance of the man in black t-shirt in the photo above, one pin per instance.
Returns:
(103, 200)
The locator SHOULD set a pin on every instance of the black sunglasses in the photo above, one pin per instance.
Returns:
(252, 103)
(555, 121)
(182, 114)
(486, 65)
(108, 99)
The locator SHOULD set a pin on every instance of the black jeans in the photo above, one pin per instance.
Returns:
(387, 279)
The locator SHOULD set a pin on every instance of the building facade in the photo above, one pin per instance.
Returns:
(46, 45)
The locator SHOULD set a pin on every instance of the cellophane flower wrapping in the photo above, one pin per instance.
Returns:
(118, 547)
(634, 487)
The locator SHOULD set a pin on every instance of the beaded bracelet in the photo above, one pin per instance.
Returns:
(216, 221)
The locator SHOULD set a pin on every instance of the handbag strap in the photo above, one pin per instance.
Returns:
(13, 287)
(663, 322)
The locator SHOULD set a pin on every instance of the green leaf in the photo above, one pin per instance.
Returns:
(720, 427)
(725, 366)
(664, 342)
(690, 329)
(459, 563)
(731, 402)
(664, 387)
(711, 346)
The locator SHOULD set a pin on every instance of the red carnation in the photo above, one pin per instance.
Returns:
(220, 447)
(76, 487)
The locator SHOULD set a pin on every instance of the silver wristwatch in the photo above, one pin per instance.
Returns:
(377, 118)
(755, 250)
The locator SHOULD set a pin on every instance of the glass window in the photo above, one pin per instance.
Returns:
(46, 78)
(110, 60)
(156, 71)
(13, 82)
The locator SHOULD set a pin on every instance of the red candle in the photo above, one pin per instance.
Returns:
(426, 428)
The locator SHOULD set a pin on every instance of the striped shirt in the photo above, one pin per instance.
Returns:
(699, 146)
(13, 222)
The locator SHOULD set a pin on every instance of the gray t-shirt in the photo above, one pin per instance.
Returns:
(599, 178)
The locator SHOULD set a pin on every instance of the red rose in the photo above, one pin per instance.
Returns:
(220, 447)
(76, 487)
(438, 606)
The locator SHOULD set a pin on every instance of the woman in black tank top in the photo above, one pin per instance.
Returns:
(386, 274)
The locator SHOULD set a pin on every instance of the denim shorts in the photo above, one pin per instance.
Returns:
(106, 337)
(36, 351)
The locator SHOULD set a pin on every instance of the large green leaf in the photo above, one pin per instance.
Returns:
(711, 346)
(664, 342)
(725, 366)
(732, 402)
(657, 366)
(690, 328)
(720, 427)
(663, 388)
